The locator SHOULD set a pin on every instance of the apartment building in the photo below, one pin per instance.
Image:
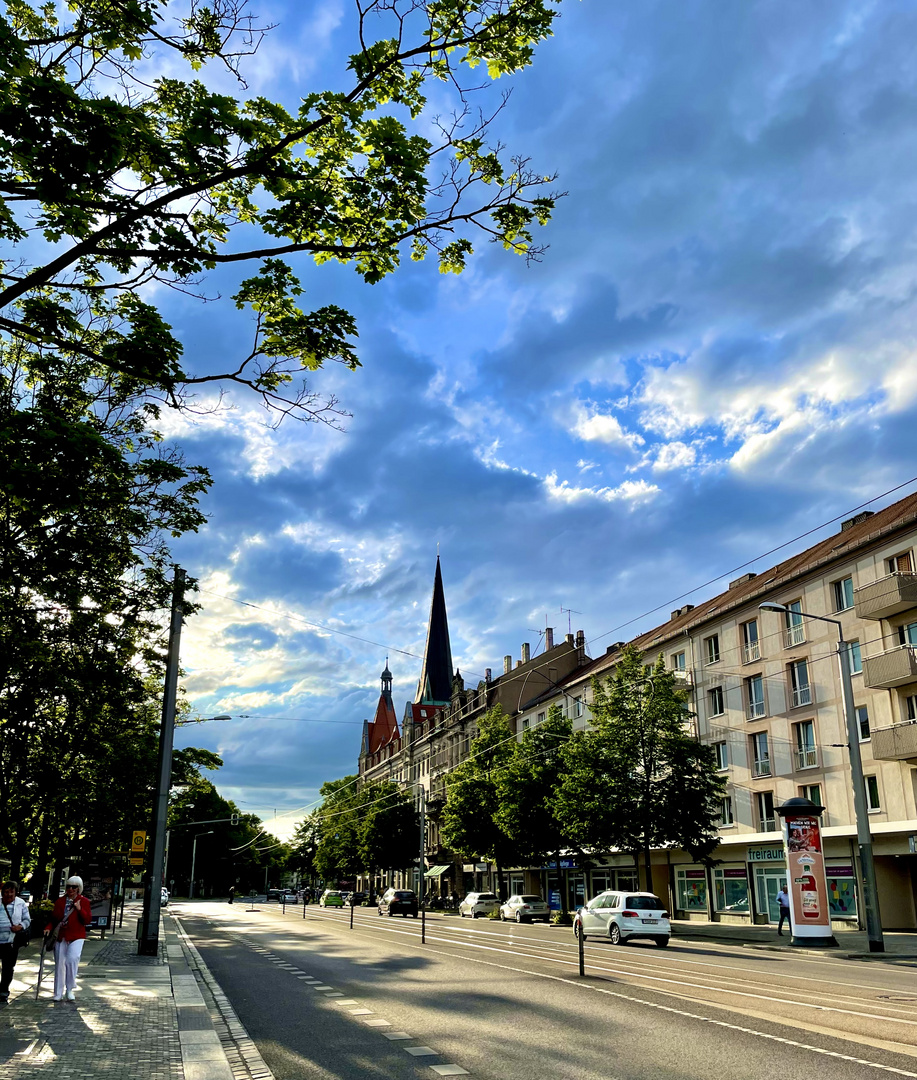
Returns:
(765, 690)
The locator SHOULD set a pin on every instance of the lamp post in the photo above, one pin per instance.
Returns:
(864, 838)
(194, 860)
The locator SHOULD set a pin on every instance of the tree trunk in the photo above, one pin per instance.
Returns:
(562, 888)
(501, 887)
(648, 867)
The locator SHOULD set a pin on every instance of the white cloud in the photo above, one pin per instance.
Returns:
(632, 491)
(604, 428)
(674, 455)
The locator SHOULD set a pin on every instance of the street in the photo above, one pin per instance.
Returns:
(502, 1001)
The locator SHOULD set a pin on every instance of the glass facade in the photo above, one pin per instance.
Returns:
(842, 901)
(730, 890)
(691, 889)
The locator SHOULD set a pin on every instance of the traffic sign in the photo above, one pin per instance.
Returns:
(136, 862)
(138, 842)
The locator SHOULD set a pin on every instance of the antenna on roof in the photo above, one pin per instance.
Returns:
(570, 611)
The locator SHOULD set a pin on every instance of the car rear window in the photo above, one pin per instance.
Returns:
(530, 899)
(487, 896)
(403, 896)
(643, 903)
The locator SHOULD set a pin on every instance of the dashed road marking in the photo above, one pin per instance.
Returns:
(393, 1035)
(449, 1070)
(421, 1051)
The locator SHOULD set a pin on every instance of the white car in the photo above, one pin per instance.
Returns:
(525, 908)
(164, 898)
(620, 916)
(478, 903)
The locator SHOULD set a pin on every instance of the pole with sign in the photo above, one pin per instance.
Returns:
(810, 914)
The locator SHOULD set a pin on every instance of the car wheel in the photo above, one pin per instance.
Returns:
(614, 932)
(502, 915)
(578, 931)
(518, 916)
(390, 912)
(661, 942)
(380, 911)
(474, 914)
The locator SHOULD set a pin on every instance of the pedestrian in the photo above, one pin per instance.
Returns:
(14, 918)
(783, 900)
(232, 893)
(69, 919)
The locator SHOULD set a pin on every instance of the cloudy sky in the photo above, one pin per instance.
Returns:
(714, 356)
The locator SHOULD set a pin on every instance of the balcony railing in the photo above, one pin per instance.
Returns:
(896, 743)
(768, 824)
(886, 597)
(794, 635)
(807, 758)
(755, 709)
(762, 767)
(802, 695)
(896, 667)
(752, 651)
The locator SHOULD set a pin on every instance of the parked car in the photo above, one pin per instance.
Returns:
(478, 903)
(525, 908)
(398, 902)
(356, 898)
(331, 898)
(620, 916)
(274, 894)
(164, 898)
(290, 898)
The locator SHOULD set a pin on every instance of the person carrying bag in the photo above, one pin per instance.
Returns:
(14, 933)
(71, 915)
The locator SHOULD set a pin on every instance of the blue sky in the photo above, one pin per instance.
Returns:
(714, 356)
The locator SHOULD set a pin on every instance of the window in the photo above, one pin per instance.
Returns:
(751, 647)
(855, 657)
(907, 634)
(812, 792)
(678, 661)
(794, 629)
(806, 754)
(525, 724)
(541, 718)
(726, 817)
(801, 694)
(843, 594)
(577, 706)
(872, 793)
(767, 822)
(862, 715)
(761, 758)
(721, 749)
(712, 648)
(715, 701)
(901, 564)
(754, 696)
(910, 705)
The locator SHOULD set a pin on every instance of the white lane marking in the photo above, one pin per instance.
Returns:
(345, 1001)
(393, 1035)
(688, 1015)
(321, 988)
(333, 994)
(360, 1012)
(449, 1070)
(420, 1051)
(378, 1022)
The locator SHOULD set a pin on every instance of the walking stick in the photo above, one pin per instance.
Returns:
(41, 967)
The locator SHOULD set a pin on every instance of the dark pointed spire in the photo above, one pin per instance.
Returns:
(435, 685)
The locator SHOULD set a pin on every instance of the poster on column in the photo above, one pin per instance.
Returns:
(806, 873)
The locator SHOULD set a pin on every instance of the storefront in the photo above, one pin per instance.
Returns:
(731, 901)
(691, 892)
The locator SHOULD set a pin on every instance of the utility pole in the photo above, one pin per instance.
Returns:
(423, 852)
(148, 944)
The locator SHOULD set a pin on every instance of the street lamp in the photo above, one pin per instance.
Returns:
(194, 860)
(864, 838)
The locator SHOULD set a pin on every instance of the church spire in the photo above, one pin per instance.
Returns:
(435, 685)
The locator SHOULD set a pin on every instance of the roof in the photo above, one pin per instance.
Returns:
(383, 728)
(435, 684)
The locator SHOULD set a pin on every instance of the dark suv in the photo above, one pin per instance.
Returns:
(398, 902)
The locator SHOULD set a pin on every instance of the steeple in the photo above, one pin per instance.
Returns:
(435, 685)
(383, 728)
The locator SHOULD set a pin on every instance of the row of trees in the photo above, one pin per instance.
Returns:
(636, 779)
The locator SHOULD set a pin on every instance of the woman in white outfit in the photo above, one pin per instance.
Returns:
(14, 916)
(71, 915)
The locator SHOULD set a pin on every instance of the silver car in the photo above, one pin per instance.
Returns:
(525, 908)
(478, 903)
(620, 916)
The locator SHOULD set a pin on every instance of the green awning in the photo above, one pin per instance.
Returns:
(437, 871)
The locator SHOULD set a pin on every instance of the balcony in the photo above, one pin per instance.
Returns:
(802, 695)
(684, 680)
(807, 758)
(896, 743)
(761, 767)
(896, 667)
(886, 597)
(752, 650)
(755, 710)
(794, 635)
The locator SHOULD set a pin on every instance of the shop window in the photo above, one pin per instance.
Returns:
(843, 594)
(862, 715)
(691, 889)
(716, 706)
(841, 881)
(730, 890)
(712, 648)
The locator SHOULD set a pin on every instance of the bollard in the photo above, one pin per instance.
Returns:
(423, 923)
(582, 951)
(351, 915)
(304, 903)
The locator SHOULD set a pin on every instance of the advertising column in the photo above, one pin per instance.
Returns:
(810, 913)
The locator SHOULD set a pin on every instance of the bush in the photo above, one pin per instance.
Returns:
(493, 914)
(559, 918)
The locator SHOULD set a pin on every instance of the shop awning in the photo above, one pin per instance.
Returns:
(437, 871)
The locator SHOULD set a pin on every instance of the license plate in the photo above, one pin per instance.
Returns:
(651, 920)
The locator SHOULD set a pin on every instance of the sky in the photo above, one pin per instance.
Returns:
(715, 356)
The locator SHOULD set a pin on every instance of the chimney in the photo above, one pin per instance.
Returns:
(568, 638)
(580, 646)
(549, 638)
(518, 663)
(850, 522)
(488, 674)
(526, 652)
(507, 664)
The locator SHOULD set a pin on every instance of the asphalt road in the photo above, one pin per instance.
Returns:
(506, 1003)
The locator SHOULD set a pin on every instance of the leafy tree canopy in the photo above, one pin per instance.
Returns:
(111, 179)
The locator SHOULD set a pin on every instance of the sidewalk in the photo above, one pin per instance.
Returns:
(852, 944)
(135, 1017)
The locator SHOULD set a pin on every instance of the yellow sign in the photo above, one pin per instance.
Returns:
(138, 842)
(136, 862)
